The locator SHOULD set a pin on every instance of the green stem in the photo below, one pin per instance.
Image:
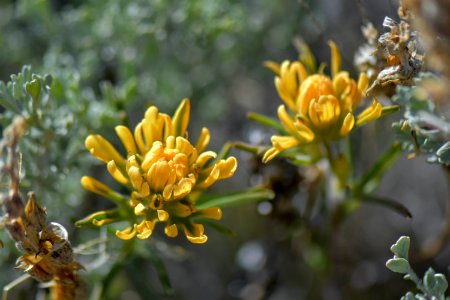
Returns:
(349, 154)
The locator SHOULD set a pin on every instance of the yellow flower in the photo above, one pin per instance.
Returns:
(322, 108)
(164, 172)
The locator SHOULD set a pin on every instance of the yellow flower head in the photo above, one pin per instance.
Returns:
(322, 107)
(164, 172)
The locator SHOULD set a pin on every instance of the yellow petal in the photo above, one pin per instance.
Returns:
(145, 229)
(335, 59)
(211, 178)
(116, 173)
(286, 120)
(284, 142)
(347, 125)
(170, 142)
(204, 158)
(180, 119)
(139, 139)
(371, 113)
(363, 83)
(145, 189)
(162, 215)
(272, 66)
(102, 222)
(270, 154)
(126, 234)
(101, 149)
(153, 155)
(158, 175)
(227, 167)
(135, 176)
(127, 139)
(184, 146)
(305, 134)
(203, 140)
(214, 213)
(140, 210)
(290, 80)
(96, 186)
(284, 93)
(196, 234)
(182, 189)
(301, 72)
(168, 190)
(171, 230)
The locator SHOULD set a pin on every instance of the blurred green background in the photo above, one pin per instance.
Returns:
(116, 57)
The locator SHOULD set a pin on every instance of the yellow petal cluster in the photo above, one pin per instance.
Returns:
(322, 108)
(164, 171)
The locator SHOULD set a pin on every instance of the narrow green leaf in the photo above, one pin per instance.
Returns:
(267, 121)
(236, 198)
(398, 265)
(372, 178)
(162, 274)
(397, 207)
(401, 247)
(217, 226)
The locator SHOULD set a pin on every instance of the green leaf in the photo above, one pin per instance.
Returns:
(436, 284)
(372, 178)
(428, 279)
(269, 122)
(398, 265)
(441, 284)
(409, 296)
(235, 198)
(34, 88)
(396, 206)
(401, 247)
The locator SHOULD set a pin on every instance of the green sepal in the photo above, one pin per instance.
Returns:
(100, 218)
(387, 110)
(180, 119)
